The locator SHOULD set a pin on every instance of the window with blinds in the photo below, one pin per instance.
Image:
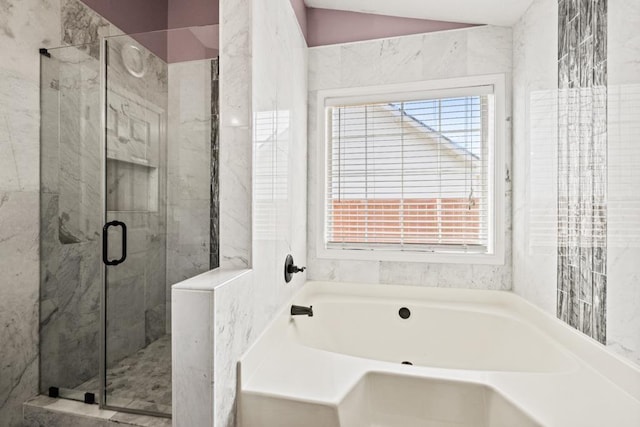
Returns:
(410, 174)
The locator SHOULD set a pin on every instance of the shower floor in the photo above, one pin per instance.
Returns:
(140, 381)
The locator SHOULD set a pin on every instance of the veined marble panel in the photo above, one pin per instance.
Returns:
(192, 124)
(235, 132)
(18, 302)
(535, 155)
(19, 115)
(83, 27)
(25, 26)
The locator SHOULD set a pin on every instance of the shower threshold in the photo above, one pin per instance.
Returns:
(48, 411)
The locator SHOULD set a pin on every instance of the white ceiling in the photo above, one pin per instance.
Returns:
(495, 12)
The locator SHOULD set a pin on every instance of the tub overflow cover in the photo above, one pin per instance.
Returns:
(404, 312)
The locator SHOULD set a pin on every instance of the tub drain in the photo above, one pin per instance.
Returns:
(404, 313)
(407, 363)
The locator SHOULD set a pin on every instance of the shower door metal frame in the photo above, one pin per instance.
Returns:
(103, 184)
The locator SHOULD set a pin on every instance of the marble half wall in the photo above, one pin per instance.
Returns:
(420, 57)
(263, 194)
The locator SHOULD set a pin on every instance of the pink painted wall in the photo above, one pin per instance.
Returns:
(301, 13)
(320, 26)
(190, 44)
(147, 19)
(189, 13)
(325, 26)
(133, 16)
(194, 43)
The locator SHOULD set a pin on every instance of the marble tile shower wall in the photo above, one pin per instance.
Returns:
(192, 158)
(25, 26)
(457, 53)
(582, 165)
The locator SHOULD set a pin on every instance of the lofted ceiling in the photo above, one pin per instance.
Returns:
(494, 12)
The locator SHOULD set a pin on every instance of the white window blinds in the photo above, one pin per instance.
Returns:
(410, 174)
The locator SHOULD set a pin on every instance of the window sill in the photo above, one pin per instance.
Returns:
(412, 256)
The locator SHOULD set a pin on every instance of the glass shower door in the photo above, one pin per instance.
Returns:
(70, 222)
(124, 213)
(137, 356)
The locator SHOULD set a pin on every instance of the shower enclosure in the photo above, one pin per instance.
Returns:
(129, 207)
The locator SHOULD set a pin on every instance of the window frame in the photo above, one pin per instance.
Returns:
(433, 88)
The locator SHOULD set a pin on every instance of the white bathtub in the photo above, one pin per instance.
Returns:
(478, 359)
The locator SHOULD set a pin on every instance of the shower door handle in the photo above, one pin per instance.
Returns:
(105, 243)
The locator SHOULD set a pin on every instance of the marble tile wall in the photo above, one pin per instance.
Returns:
(536, 166)
(25, 26)
(535, 154)
(235, 134)
(191, 209)
(623, 127)
(279, 162)
(582, 165)
(457, 53)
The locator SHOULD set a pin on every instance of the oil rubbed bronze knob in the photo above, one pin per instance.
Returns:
(290, 268)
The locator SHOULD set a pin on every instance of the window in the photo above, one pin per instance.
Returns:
(412, 173)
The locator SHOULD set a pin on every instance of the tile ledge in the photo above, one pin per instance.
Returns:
(211, 280)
